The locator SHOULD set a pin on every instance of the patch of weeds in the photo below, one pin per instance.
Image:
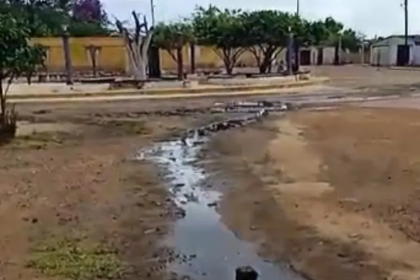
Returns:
(67, 259)
(38, 140)
(127, 126)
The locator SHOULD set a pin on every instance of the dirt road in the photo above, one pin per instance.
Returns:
(72, 203)
(335, 192)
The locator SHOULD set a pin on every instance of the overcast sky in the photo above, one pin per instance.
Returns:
(371, 17)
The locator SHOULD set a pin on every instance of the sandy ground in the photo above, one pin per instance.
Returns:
(73, 205)
(334, 193)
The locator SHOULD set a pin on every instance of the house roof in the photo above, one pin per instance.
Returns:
(415, 38)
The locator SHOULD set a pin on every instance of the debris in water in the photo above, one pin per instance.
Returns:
(184, 139)
(212, 204)
(246, 273)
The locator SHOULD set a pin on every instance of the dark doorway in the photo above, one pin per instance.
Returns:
(320, 56)
(403, 55)
(305, 57)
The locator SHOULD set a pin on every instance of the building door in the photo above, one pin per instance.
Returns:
(403, 55)
(320, 56)
(305, 57)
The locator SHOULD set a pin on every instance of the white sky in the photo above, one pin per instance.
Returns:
(371, 17)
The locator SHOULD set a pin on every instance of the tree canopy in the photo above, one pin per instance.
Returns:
(47, 17)
(223, 30)
(173, 35)
(268, 32)
(265, 33)
(18, 57)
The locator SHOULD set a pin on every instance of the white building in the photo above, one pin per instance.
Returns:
(391, 51)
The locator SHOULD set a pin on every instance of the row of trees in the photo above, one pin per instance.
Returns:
(45, 18)
(264, 33)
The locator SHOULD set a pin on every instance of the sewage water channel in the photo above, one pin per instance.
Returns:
(212, 251)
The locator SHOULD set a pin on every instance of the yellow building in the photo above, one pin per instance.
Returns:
(111, 55)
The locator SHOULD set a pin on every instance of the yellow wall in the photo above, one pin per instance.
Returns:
(112, 56)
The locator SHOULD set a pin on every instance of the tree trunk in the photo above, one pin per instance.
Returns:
(336, 55)
(192, 58)
(228, 66)
(2, 103)
(180, 63)
(137, 55)
(265, 64)
(94, 70)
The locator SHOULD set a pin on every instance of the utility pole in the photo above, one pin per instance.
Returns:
(152, 11)
(406, 22)
(296, 43)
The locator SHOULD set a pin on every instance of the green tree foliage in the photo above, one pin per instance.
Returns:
(335, 31)
(17, 56)
(46, 17)
(169, 36)
(222, 30)
(268, 32)
(265, 33)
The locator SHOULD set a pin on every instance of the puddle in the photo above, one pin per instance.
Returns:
(208, 248)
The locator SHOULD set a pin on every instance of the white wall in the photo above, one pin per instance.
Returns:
(416, 55)
(386, 53)
(380, 55)
(328, 55)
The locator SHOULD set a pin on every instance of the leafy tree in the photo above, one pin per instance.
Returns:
(89, 10)
(168, 36)
(89, 19)
(223, 30)
(268, 32)
(317, 32)
(350, 40)
(17, 57)
(46, 17)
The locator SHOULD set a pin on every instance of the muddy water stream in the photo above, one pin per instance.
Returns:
(208, 248)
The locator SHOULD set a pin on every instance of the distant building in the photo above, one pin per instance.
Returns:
(391, 51)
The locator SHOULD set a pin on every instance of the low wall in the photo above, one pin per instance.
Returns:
(257, 80)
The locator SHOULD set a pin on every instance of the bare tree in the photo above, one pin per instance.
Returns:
(137, 44)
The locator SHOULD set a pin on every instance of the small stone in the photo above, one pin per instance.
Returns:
(149, 231)
(212, 204)
(157, 203)
(341, 255)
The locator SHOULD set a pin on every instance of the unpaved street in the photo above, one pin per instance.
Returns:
(333, 193)
(73, 205)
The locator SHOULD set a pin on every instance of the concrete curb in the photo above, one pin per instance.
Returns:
(171, 91)
(396, 68)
